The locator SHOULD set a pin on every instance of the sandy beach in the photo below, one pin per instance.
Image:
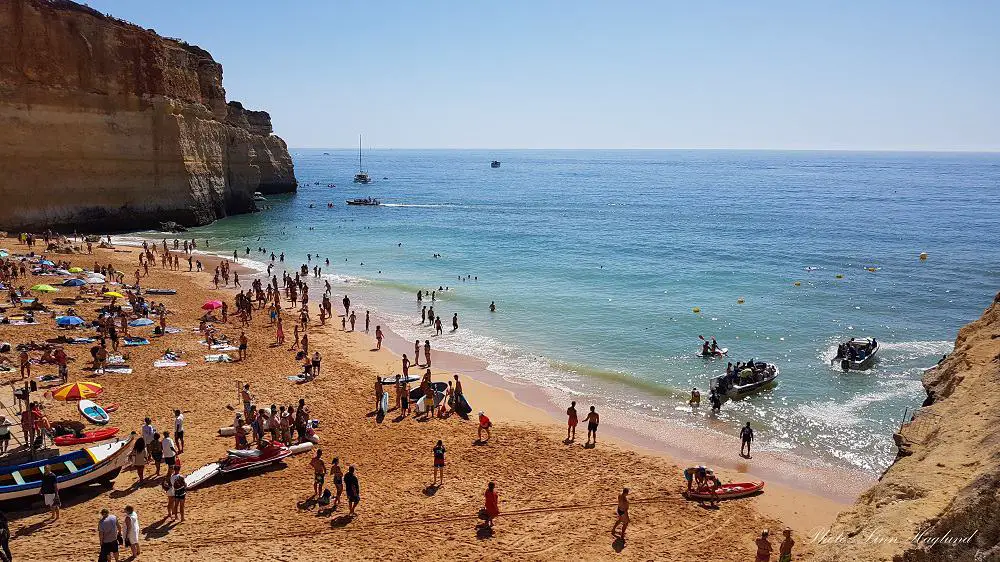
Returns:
(557, 499)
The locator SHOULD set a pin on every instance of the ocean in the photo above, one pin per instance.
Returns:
(597, 261)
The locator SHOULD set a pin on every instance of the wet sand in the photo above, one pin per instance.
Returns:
(557, 499)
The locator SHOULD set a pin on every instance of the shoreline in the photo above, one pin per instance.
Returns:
(790, 472)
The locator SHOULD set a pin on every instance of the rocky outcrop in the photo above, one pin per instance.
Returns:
(940, 499)
(107, 126)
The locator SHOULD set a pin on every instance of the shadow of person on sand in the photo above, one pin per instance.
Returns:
(430, 490)
(29, 530)
(307, 504)
(159, 529)
(484, 532)
(480, 443)
(618, 544)
(341, 521)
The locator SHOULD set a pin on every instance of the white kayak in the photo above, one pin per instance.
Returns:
(202, 475)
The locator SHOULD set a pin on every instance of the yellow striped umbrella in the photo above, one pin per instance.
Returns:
(77, 391)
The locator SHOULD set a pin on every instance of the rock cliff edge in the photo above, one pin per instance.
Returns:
(108, 126)
(940, 499)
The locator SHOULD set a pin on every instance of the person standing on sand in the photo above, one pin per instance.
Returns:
(438, 464)
(319, 473)
(353, 490)
(347, 305)
(353, 319)
(484, 427)
(405, 400)
(406, 366)
(50, 493)
(492, 501)
(454, 322)
(338, 481)
(108, 530)
(295, 333)
(279, 334)
(427, 353)
(316, 360)
(593, 420)
(785, 548)
(180, 491)
(746, 437)
(764, 547)
(572, 421)
(132, 530)
(416, 352)
(622, 514)
(169, 450)
(155, 448)
(367, 320)
(179, 430)
(378, 337)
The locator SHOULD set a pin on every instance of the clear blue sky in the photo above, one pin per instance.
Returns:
(899, 75)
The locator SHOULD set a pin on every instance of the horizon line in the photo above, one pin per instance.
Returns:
(716, 149)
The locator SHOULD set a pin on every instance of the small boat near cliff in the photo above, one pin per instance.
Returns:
(364, 202)
(858, 354)
(362, 175)
(101, 463)
(258, 196)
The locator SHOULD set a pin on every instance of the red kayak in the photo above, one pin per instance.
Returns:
(88, 437)
(727, 491)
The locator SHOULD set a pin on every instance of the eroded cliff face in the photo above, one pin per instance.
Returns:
(108, 126)
(940, 499)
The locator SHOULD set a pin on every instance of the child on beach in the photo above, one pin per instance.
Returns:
(484, 427)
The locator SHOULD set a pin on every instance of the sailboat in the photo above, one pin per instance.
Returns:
(362, 176)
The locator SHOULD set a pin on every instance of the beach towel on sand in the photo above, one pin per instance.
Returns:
(169, 363)
(136, 341)
(218, 358)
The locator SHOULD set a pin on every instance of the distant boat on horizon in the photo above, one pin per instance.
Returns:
(495, 164)
(362, 176)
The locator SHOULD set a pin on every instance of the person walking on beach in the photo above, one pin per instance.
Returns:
(319, 473)
(622, 514)
(764, 547)
(438, 464)
(378, 337)
(132, 530)
(746, 437)
(454, 322)
(367, 320)
(169, 451)
(785, 548)
(353, 490)
(244, 343)
(50, 493)
(593, 420)
(484, 427)
(427, 353)
(492, 503)
(180, 491)
(347, 305)
(572, 421)
(353, 319)
(179, 430)
(108, 530)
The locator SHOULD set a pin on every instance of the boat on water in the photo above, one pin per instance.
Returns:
(258, 196)
(495, 164)
(364, 202)
(858, 354)
(362, 175)
(746, 380)
(99, 463)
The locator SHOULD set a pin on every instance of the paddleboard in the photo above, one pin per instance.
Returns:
(93, 412)
(88, 437)
(463, 407)
(383, 405)
(392, 380)
(202, 475)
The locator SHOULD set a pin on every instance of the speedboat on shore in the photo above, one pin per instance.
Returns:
(750, 378)
(857, 354)
(101, 463)
(364, 202)
(244, 459)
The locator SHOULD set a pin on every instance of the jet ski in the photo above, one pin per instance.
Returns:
(241, 459)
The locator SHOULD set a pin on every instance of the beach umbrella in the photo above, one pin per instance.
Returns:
(44, 288)
(73, 282)
(114, 295)
(69, 321)
(138, 322)
(211, 305)
(94, 281)
(77, 391)
(76, 270)
(61, 272)
(46, 262)
(96, 275)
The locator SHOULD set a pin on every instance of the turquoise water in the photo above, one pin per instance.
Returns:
(596, 260)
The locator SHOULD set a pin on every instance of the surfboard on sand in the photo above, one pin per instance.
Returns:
(93, 412)
(463, 407)
(202, 475)
(383, 405)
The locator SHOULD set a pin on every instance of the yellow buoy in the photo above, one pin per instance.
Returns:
(740, 300)
(696, 310)
(839, 276)
(798, 283)
(923, 256)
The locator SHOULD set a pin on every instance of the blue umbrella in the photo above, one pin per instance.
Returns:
(46, 262)
(73, 282)
(140, 322)
(69, 321)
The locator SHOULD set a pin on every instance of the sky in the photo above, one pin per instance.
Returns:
(803, 74)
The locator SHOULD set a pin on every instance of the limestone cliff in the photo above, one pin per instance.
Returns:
(940, 499)
(105, 125)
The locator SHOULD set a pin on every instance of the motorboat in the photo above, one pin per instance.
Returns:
(258, 196)
(857, 354)
(244, 459)
(748, 380)
(495, 164)
(364, 202)
(362, 175)
(100, 463)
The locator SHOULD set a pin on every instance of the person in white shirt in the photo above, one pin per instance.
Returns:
(169, 450)
(132, 530)
(148, 430)
(179, 430)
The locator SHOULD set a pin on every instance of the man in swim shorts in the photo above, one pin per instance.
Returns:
(622, 514)
(593, 420)
(319, 473)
